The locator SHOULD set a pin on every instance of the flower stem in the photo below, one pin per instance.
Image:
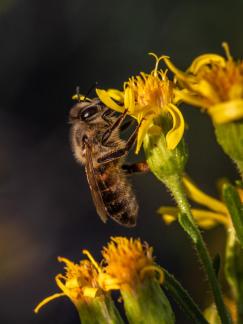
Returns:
(174, 184)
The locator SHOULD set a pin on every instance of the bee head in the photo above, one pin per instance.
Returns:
(85, 111)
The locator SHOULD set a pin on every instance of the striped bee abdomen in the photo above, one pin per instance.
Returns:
(117, 194)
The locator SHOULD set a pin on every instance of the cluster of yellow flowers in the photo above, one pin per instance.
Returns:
(212, 82)
(215, 84)
(126, 263)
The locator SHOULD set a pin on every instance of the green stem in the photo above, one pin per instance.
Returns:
(234, 271)
(186, 220)
(183, 299)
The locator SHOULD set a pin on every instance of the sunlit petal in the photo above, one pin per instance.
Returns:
(227, 111)
(200, 197)
(47, 300)
(205, 59)
(142, 132)
(174, 136)
(108, 101)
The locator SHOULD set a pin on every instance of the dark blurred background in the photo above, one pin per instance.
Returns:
(47, 49)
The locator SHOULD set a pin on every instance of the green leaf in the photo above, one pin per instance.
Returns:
(235, 207)
(216, 264)
(183, 299)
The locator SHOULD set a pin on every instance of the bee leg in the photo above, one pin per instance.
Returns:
(121, 152)
(126, 125)
(135, 168)
(113, 127)
(107, 114)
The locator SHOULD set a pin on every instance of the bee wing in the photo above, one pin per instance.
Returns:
(95, 191)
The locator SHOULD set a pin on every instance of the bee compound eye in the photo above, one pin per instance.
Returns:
(87, 113)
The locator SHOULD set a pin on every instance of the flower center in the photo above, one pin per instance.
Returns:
(227, 80)
(151, 91)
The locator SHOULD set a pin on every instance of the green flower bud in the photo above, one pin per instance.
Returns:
(163, 161)
(147, 303)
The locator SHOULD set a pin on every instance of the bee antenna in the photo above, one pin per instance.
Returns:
(78, 93)
(90, 89)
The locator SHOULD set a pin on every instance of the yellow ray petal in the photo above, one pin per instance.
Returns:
(174, 136)
(47, 300)
(129, 100)
(204, 88)
(116, 95)
(204, 218)
(90, 292)
(204, 60)
(227, 111)
(190, 98)
(92, 260)
(200, 197)
(142, 132)
(202, 215)
(108, 101)
(178, 73)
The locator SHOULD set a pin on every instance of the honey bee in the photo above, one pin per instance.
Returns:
(96, 144)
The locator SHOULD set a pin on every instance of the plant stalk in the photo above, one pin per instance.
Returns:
(186, 220)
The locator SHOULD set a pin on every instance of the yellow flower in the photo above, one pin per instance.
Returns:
(126, 263)
(147, 97)
(216, 212)
(213, 83)
(80, 282)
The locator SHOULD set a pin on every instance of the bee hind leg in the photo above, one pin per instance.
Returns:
(135, 168)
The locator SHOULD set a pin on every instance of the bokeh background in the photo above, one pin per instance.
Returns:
(47, 48)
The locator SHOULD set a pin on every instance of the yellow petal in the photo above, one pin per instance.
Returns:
(116, 95)
(68, 263)
(190, 97)
(169, 214)
(129, 100)
(202, 215)
(200, 197)
(178, 73)
(108, 101)
(226, 111)
(151, 270)
(92, 260)
(90, 292)
(205, 89)
(61, 285)
(206, 224)
(206, 59)
(168, 210)
(174, 136)
(142, 132)
(168, 219)
(204, 218)
(227, 51)
(47, 300)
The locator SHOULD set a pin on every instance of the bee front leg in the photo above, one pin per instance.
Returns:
(114, 155)
(136, 168)
(107, 134)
